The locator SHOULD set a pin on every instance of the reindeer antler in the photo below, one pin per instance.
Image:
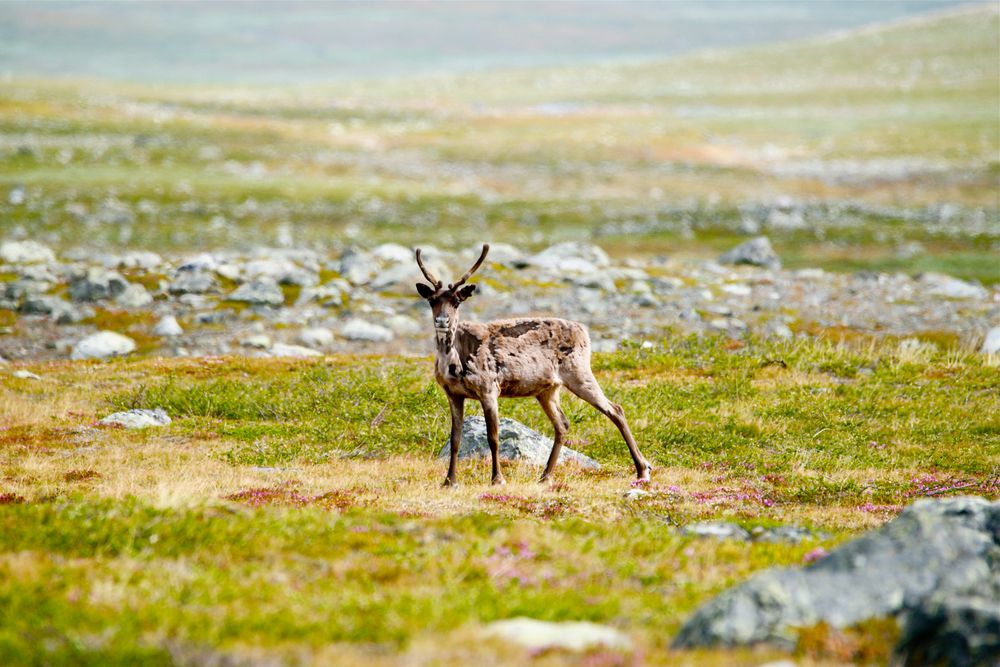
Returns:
(482, 256)
(435, 283)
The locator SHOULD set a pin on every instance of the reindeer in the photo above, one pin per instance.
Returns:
(512, 358)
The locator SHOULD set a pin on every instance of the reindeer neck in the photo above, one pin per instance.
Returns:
(447, 354)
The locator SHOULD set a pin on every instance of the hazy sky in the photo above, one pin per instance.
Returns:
(246, 42)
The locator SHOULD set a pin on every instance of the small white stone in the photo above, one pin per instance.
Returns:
(167, 326)
(259, 341)
(24, 374)
(316, 337)
(361, 330)
(137, 418)
(991, 344)
(25, 252)
(102, 345)
(569, 635)
(296, 351)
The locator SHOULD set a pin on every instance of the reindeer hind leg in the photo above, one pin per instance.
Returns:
(586, 387)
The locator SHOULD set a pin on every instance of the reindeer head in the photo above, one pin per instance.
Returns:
(444, 302)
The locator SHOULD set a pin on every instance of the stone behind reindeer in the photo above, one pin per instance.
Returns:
(517, 443)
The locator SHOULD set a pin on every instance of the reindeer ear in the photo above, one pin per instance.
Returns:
(426, 291)
(465, 292)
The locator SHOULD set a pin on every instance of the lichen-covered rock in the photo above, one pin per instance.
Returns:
(517, 443)
(933, 548)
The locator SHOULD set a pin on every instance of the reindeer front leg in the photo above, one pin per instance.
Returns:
(457, 415)
(491, 413)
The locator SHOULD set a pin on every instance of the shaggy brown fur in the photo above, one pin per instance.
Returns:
(512, 358)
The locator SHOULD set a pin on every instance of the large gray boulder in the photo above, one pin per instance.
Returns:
(517, 443)
(756, 252)
(952, 630)
(934, 548)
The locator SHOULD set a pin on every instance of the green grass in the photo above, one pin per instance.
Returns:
(280, 516)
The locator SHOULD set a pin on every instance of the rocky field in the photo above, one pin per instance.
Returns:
(220, 434)
(298, 302)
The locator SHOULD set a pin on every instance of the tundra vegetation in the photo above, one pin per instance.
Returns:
(291, 511)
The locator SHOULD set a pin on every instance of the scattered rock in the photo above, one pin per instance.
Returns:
(167, 326)
(103, 345)
(316, 337)
(193, 279)
(261, 291)
(517, 443)
(139, 418)
(356, 266)
(25, 252)
(573, 257)
(393, 253)
(934, 548)
(59, 311)
(568, 635)
(790, 534)
(720, 530)
(356, 329)
(938, 284)
(297, 351)
(24, 374)
(403, 325)
(135, 296)
(756, 252)
(97, 284)
(258, 341)
(991, 343)
(635, 494)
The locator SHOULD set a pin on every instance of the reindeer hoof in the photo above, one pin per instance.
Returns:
(449, 483)
(499, 480)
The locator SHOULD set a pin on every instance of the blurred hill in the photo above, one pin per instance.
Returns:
(874, 148)
(291, 43)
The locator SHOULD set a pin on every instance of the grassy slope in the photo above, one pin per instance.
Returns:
(292, 510)
(679, 145)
